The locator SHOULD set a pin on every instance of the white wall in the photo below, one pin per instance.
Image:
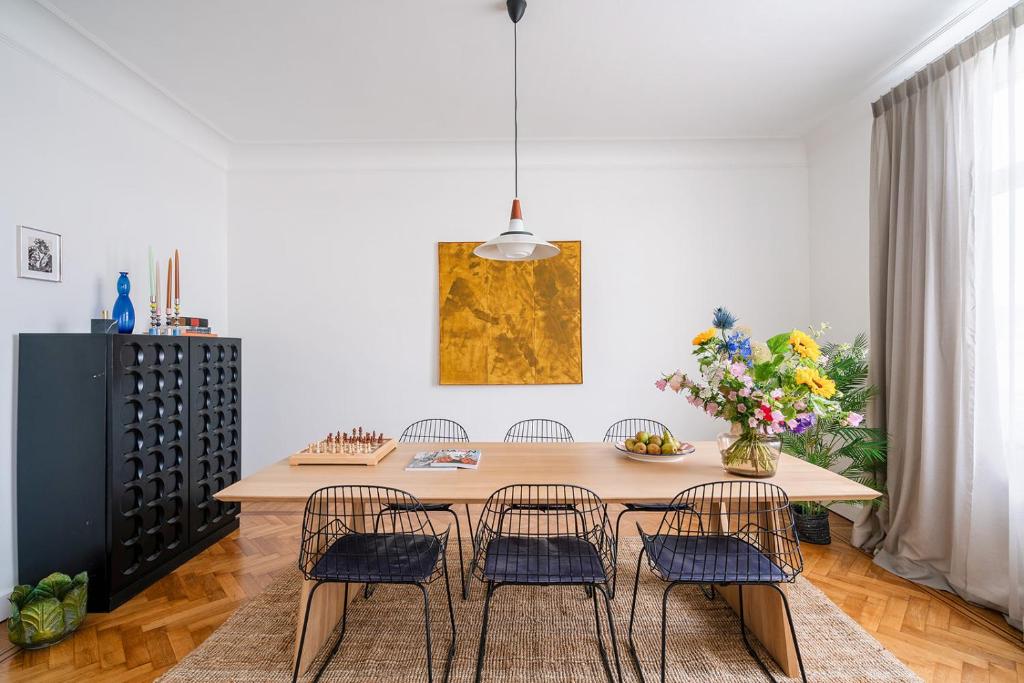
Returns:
(333, 275)
(77, 162)
(838, 160)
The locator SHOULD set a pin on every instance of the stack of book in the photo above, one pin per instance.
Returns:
(190, 326)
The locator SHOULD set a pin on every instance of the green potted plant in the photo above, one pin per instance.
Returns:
(841, 441)
(49, 612)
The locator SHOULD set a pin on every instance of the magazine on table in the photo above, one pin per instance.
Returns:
(449, 458)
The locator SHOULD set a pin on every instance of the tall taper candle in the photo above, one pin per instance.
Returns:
(152, 290)
(167, 311)
(157, 269)
(177, 276)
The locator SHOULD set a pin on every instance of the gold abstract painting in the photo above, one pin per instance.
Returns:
(506, 322)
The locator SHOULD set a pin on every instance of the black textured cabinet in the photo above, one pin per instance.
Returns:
(122, 442)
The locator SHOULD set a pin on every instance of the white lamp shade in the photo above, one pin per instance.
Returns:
(517, 244)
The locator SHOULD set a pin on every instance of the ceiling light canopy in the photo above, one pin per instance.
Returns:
(517, 243)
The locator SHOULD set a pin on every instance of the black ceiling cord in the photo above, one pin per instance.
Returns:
(516, 10)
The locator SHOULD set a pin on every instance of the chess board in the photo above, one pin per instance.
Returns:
(359, 449)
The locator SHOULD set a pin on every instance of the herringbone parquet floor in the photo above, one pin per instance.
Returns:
(936, 634)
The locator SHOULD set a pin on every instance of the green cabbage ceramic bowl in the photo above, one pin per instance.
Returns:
(46, 614)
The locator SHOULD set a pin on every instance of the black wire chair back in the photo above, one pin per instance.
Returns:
(726, 532)
(544, 534)
(628, 428)
(369, 534)
(538, 430)
(433, 429)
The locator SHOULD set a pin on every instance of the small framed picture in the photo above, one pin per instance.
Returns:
(39, 254)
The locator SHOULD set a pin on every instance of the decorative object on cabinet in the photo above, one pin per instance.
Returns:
(131, 436)
(50, 612)
(39, 254)
(124, 312)
(509, 323)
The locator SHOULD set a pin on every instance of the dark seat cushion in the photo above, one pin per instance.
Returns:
(711, 559)
(545, 560)
(379, 558)
(427, 507)
(655, 507)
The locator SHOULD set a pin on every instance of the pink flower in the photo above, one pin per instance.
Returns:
(752, 422)
(732, 395)
(740, 408)
(800, 405)
(748, 381)
(675, 382)
(712, 408)
(777, 415)
(745, 392)
(738, 369)
(791, 423)
(776, 394)
(693, 401)
(854, 419)
(661, 384)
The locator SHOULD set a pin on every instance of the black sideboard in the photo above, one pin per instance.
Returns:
(122, 442)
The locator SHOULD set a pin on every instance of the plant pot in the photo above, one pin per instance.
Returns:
(812, 527)
(748, 453)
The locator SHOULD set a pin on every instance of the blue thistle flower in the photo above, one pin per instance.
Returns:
(723, 319)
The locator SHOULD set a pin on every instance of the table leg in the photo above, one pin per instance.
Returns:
(328, 603)
(764, 611)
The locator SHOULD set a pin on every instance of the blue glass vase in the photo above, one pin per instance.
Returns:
(124, 312)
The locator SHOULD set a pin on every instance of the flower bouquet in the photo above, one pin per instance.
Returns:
(763, 388)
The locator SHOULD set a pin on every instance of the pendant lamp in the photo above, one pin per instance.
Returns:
(517, 243)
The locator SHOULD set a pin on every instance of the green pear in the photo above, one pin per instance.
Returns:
(643, 437)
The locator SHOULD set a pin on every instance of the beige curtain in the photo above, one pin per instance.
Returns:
(954, 512)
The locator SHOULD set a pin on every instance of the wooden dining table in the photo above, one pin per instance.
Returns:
(599, 467)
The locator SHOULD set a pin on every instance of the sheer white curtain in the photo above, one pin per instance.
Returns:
(947, 312)
(999, 256)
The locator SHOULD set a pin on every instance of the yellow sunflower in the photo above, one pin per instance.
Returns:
(816, 382)
(707, 334)
(804, 345)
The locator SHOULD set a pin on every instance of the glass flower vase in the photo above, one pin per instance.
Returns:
(749, 453)
(123, 311)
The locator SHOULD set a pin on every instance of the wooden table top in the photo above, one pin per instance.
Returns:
(596, 466)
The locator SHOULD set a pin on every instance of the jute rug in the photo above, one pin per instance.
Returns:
(536, 635)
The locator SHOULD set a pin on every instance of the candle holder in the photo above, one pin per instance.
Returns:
(177, 311)
(154, 317)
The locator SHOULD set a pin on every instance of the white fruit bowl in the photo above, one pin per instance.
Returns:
(684, 450)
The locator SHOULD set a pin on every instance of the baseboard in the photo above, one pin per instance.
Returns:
(5, 606)
(846, 510)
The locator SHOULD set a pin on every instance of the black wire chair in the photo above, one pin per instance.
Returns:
(371, 534)
(627, 429)
(737, 533)
(546, 535)
(439, 430)
(538, 430)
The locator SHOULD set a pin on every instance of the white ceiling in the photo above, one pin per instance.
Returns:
(318, 70)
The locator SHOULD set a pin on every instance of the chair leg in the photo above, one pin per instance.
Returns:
(451, 615)
(462, 562)
(337, 643)
(618, 520)
(469, 526)
(483, 632)
(426, 629)
(746, 641)
(611, 630)
(632, 614)
(302, 636)
(792, 631)
(664, 627)
(600, 639)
